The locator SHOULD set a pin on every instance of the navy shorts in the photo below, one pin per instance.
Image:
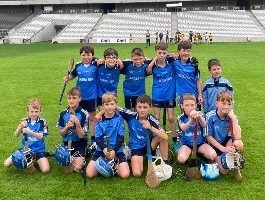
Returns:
(120, 156)
(218, 152)
(191, 146)
(40, 155)
(79, 147)
(89, 105)
(130, 101)
(141, 151)
(164, 104)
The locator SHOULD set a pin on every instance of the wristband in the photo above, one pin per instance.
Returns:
(149, 128)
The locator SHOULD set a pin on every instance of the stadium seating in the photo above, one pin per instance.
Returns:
(95, 26)
(229, 23)
(260, 15)
(9, 20)
(121, 25)
(77, 27)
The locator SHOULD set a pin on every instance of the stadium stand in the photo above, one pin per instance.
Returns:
(260, 15)
(9, 20)
(227, 24)
(111, 22)
(41, 28)
(121, 25)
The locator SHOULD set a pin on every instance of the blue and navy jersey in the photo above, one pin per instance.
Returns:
(134, 81)
(187, 136)
(137, 133)
(86, 79)
(187, 76)
(40, 126)
(112, 127)
(211, 89)
(107, 79)
(64, 118)
(163, 83)
(217, 128)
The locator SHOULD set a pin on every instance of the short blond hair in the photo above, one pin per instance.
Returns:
(35, 103)
(108, 97)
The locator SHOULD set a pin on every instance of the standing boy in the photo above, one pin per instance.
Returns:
(135, 74)
(187, 73)
(72, 125)
(223, 131)
(86, 73)
(163, 89)
(214, 85)
(186, 122)
(35, 129)
(108, 74)
(111, 126)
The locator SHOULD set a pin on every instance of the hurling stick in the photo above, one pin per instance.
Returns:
(108, 143)
(151, 178)
(69, 168)
(193, 172)
(31, 168)
(69, 143)
(237, 173)
(70, 67)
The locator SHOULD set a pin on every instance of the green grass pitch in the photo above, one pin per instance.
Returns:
(36, 70)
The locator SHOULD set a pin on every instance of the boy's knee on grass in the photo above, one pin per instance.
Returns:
(181, 159)
(137, 173)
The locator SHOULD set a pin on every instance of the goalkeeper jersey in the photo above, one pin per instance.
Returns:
(211, 89)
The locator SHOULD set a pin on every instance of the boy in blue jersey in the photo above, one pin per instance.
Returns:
(214, 85)
(108, 74)
(186, 123)
(135, 74)
(187, 73)
(163, 89)
(139, 123)
(112, 126)
(72, 125)
(86, 73)
(223, 131)
(36, 129)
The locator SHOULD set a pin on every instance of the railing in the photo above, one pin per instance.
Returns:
(177, 9)
(258, 7)
(72, 11)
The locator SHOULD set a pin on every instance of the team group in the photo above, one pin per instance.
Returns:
(176, 82)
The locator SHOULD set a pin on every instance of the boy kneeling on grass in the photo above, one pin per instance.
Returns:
(223, 131)
(139, 123)
(111, 126)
